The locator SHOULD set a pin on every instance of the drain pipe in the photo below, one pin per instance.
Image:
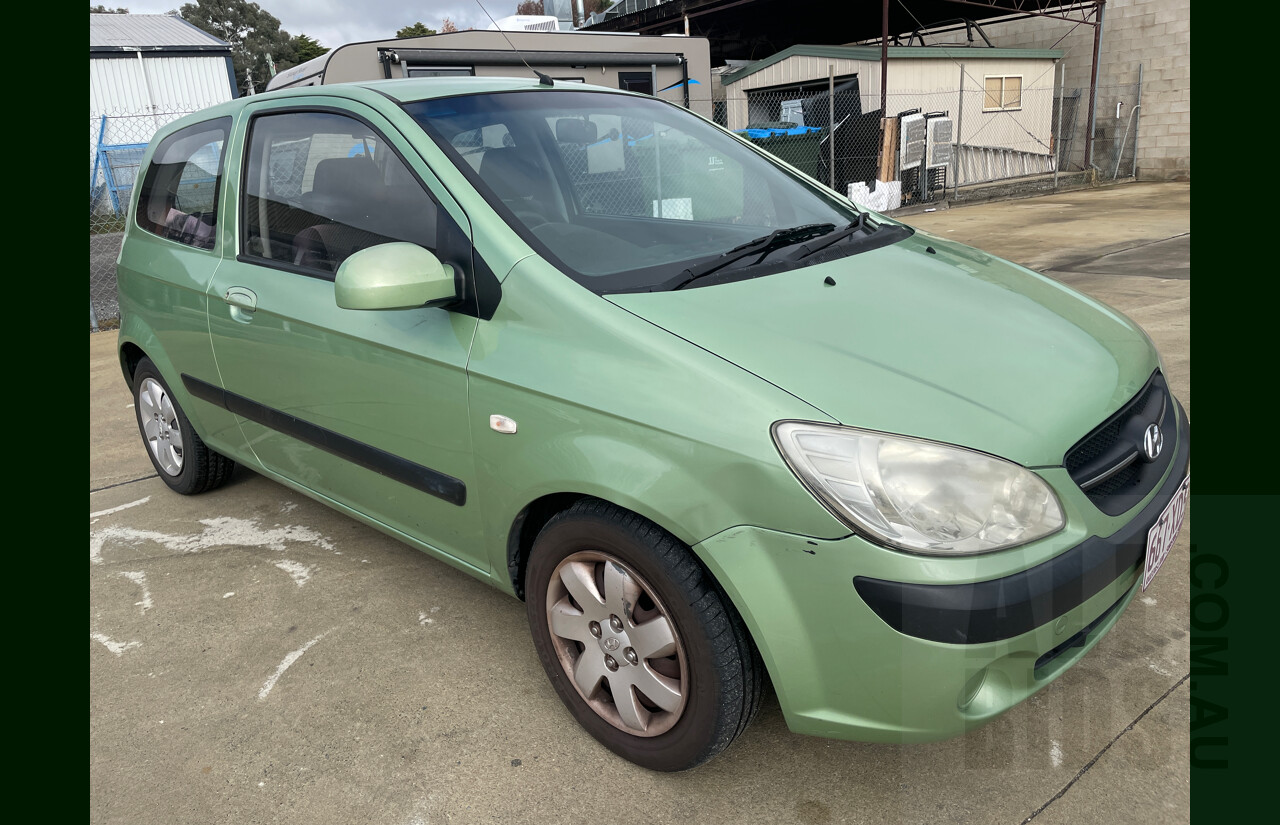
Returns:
(1136, 124)
(1132, 112)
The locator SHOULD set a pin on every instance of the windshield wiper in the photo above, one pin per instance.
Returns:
(832, 238)
(761, 246)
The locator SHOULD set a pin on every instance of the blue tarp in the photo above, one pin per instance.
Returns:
(774, 132)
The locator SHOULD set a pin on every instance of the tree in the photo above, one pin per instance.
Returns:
(447, 26)
(256, 39)
(105, 10)
(591, 7)
(416, 30)
(530, 7)
(305, 48)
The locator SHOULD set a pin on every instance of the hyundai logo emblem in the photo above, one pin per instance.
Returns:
(1152, 442)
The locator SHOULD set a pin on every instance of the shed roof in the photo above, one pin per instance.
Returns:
(152, 32)
(872, 53)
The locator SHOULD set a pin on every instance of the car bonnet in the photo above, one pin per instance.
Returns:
(925, 338)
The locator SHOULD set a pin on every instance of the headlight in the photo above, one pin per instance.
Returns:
(919, 495)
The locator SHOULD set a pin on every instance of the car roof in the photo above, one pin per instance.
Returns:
(399, 90)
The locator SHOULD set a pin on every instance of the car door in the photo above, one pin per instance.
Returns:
(366, 408)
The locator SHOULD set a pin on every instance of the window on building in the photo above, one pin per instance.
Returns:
(641, 82)
(439, 71)
(1004, 92)
(179, 197)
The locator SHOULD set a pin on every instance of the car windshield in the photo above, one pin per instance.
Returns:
(624, 193)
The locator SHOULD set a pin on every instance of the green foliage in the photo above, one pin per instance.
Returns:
(305, 48)
(253, 33)
(105, 10)
(533, 7)
(416, 30)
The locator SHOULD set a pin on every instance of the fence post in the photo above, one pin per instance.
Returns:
(1057, 129)
(93, 316)
(831, 125)
(955, 152)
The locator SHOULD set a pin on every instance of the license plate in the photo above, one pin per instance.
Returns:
(1161, 536)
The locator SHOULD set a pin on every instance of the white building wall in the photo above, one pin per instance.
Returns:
(159, 88)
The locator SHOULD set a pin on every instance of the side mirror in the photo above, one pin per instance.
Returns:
(574, 130)
(394, 276)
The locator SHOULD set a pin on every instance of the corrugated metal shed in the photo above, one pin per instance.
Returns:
(154, 65)
(148, 31)
(145, 70)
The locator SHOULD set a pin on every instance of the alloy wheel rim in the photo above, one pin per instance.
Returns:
(617, 643)
(160, 426)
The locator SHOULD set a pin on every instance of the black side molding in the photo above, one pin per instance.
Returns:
(1003, 608)
(432, 482)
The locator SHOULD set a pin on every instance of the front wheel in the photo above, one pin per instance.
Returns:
(641, 646)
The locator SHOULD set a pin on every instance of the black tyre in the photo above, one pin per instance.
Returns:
(643, 648)
(181, 459)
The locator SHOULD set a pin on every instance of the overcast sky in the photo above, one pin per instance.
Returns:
(337, 22)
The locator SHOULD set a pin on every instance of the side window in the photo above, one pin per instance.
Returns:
(178, 199)
(320, 186)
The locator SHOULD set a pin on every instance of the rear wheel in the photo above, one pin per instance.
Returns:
(179, 455)
(640, 645)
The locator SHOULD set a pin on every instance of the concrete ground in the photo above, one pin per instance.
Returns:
(256, 657)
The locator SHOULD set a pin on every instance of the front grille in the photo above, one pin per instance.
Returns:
(1109, 464)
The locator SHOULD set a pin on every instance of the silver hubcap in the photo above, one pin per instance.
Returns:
(160, 426)
(617, 643)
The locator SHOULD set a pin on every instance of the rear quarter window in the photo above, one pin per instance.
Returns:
(178, 199)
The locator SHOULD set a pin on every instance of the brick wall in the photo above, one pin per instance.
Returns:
(1154, 33)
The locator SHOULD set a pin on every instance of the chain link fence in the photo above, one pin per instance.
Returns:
(970, 143)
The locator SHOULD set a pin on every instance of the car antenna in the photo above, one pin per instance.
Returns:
(542, 78)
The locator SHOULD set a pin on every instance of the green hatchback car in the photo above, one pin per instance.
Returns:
(712, 422)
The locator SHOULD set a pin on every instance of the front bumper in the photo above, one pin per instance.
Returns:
(872, 644)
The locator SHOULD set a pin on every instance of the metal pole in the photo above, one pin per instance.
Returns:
(1137, 123)
(955, 152)
(684, 77)
(1057, 131)
(831, 125)
(884, 61)
(93, 317)
(1093, 85)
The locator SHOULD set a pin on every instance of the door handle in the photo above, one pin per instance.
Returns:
(243, 303)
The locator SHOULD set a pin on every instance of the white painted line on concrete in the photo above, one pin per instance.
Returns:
(101, 513)
(217, 532)
(1055, 753)
(284, 665)
(115, 647)
(140, 579)
(297, 571)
